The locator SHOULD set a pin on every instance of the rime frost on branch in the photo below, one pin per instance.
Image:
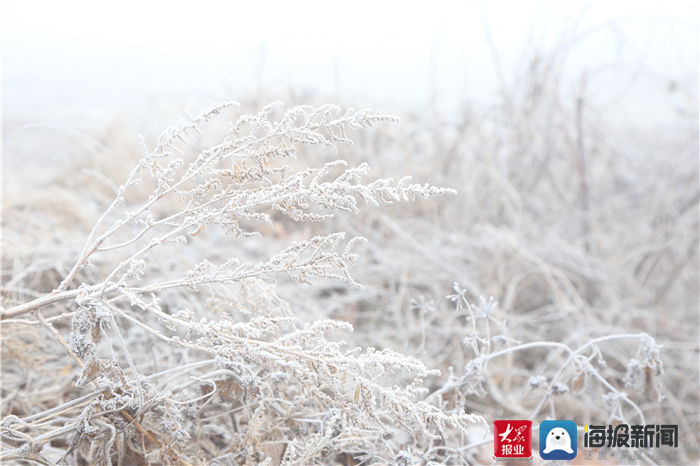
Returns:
(287, 379)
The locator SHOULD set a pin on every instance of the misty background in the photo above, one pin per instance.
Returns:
(85, 62)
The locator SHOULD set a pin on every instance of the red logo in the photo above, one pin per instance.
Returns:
(512, 439)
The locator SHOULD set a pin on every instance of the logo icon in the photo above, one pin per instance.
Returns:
(558, 440)
(512, 439)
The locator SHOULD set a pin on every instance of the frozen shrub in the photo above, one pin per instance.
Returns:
(286, 391)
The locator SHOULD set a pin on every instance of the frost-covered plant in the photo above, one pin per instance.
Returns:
(289, 391)
(584, 234)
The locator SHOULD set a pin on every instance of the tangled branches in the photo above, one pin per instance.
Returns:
(290, 392)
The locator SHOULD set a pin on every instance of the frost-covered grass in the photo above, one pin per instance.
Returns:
(193, 300)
